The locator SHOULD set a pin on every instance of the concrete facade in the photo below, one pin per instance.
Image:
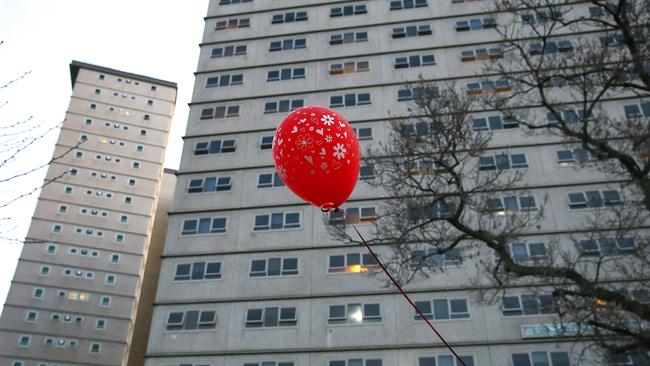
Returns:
(227, 298)
(82, 288)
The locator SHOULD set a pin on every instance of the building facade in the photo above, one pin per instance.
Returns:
(80, 293)
(250, 275)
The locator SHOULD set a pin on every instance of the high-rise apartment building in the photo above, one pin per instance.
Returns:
(250, 275)
(80, 295)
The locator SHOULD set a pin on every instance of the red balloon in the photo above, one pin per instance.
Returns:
(316, 154)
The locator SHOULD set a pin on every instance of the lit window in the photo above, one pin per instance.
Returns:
(352, 263)
(354, 314)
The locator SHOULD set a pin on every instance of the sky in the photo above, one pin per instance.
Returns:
(157, 38)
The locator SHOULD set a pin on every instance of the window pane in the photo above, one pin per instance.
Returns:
(274, 266)
(271, 317)
(520, 359)
(427, 361)
(191, 320)
(441, 309)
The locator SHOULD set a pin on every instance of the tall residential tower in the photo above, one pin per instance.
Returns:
(250, 275)
(80, 293)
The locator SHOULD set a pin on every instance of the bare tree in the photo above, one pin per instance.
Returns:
(453, 193)
(19, 139)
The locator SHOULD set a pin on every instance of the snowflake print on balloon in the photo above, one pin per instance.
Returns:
(305, 142)
(327, 120)
(339, 151)
(328, 139)
(282, 172)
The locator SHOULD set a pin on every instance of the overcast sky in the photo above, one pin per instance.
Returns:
(157, 38)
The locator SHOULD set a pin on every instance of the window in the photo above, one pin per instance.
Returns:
(488, 87)
(131, 182)
(38, 293)
(443, 309)
(143, 132)
(363, 133)
(274, 267)
(124, 219)
(269, 180)
(528, 304)
(494, 123)
(527, 252)
(68, 190)
(549, 47)
(349, 67)
(290, 17)
(31, 316)
(430, 257)
(573, 156)
(288, 44)
(220, 112)
(350, 100)
(24, 340)
(353, 215)
(541, 358)
(367, 172)
(128, 200)
(637, 110)
(198, 271)
(215, 147)
(412, 31)
(229, 2)
(271, 317)
(110, 279)
(407, 4)
(95, 348)
(502, 162)
(357, 361)
(232, 23)
(204, 225)
(421, 95)
(102, 77)
(105, 301)
(50, 249)
(446, 360)
(348, 10)
(351, 263)
(115, 258)
(354, 314)
(475, 24)
(266, 142)
(139, 148)
(594, 199)
(57, 228)
(266, 363)
(228, 51)
(277, 221)
(100, 324)
(224, 80)
(44, 271)
(18, 363)
(404, 62)
(351, 37)
(481, 54)
(93, 106)
(192, 320)
(286, 74)
(79, 154)
(282, 106)
(209, 184)
(607, 246)
(503, 205)
(119, 238)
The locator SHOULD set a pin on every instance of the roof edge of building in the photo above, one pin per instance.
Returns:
(76, 65)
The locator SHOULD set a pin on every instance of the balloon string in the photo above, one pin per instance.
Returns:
(408, 298)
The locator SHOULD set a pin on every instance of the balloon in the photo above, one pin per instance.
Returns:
(316, 154)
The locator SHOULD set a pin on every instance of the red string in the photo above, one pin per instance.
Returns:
(408, 298)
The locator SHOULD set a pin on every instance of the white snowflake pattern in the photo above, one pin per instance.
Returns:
(327, 120)
(339, 151)
(282, 172)
(328, 139)
(324, 166)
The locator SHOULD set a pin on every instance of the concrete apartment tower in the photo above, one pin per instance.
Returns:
(250, 275)
(82, 293)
